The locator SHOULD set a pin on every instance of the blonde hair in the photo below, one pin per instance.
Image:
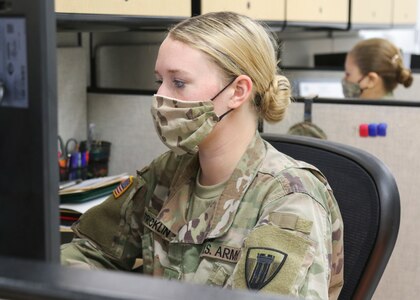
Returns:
(240, 45)
(382, 57)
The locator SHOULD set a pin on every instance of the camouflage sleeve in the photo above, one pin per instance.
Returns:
(81, 253)
(109, 235)
(287, 252)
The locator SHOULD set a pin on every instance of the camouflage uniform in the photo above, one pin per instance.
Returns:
(276, 227)
(306, 128)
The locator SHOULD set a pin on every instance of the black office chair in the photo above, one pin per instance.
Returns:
(369, 203)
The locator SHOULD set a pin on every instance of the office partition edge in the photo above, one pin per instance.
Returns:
(25, 279)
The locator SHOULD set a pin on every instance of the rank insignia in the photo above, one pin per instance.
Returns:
(119, 190)
(261, 265)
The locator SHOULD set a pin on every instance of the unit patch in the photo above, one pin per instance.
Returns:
(222, 252)
(119, 190)
(261, 265)
(157, 226)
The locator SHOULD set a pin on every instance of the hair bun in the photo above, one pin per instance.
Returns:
(405, 77)
(276, 99)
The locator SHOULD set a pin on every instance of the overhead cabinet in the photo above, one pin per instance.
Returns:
(335, 14)
(371, 13)
(404, 13)
(318, 13)
(158, 8)
(265, 10)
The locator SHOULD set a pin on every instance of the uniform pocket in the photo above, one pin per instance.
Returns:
(213, 272)
(148, 252)
(219, 276)
(172, 273)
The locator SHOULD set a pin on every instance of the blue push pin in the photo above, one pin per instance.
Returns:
(373, 129)
(382, 129)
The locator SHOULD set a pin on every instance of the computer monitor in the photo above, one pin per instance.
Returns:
(322, 88)
(29, 219)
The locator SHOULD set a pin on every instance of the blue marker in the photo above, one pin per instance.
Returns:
(382, 129)
(84, 163)
(373, 129)
(74, 160)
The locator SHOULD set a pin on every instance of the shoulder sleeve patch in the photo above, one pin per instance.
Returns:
(261, 265)
(119, 190)
(276, 260)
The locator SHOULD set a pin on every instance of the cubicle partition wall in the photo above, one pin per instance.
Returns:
(399, 149)
(126, 121)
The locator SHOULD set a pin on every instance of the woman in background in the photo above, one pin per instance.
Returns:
(374, 68)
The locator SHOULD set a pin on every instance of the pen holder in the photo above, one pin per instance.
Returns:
(99, 154)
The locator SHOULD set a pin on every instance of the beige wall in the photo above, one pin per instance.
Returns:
(72, 105)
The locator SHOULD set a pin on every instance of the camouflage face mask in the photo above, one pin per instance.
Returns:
(351, 89)
(183, 125)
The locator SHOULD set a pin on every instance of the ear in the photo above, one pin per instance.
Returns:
(373, 79)
(243, 91)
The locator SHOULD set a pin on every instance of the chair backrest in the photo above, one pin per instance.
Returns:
(369, 202)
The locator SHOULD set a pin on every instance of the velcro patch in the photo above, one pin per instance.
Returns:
(222, 252)
(261, 265)
(151, 222)
(119, 190)
(291, 221)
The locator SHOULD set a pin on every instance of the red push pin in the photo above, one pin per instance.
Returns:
(364, 130)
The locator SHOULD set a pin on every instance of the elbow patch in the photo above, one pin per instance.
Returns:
(274, 260)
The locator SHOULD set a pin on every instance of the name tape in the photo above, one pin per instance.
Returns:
(157, 226)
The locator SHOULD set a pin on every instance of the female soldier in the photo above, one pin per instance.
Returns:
(222, 207)
(374, 68)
